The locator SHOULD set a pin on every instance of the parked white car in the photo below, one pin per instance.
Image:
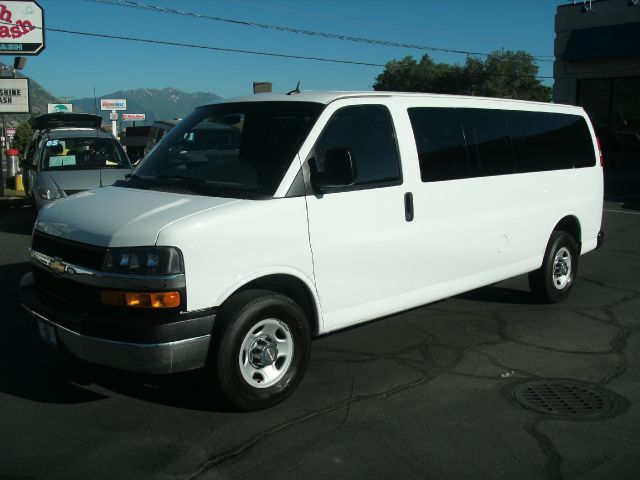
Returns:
(260, 222)
(69, 153)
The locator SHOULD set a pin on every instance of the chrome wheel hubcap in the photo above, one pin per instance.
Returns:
(562, 273)
(266, 353)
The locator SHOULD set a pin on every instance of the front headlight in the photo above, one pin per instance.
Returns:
(144, 260)
(49, 193)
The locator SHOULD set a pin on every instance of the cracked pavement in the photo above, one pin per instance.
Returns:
(422, 394)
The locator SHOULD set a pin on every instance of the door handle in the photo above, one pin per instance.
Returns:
(408, 206)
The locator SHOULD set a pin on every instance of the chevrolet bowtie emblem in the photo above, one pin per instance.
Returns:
(57, 267)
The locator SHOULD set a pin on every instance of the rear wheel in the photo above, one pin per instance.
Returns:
(260, 349)
(553, 281)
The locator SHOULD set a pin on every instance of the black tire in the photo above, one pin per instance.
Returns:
(236, 367)
(553, 281)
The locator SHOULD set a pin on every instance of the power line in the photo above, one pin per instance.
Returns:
(269, 54)
(284, 28)
(253, 52)
(298, 13)
(209, 47)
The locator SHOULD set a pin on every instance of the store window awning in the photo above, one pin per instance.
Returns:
(613, 41)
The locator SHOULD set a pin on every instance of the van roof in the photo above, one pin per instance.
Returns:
(326, 97)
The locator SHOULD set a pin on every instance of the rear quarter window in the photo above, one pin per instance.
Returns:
(545, 141)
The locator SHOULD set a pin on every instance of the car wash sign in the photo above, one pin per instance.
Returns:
(21, 28)
(14, 95)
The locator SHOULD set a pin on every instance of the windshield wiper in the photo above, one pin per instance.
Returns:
(201, 185)
(134, 176)
(185, 178)
(202, 181)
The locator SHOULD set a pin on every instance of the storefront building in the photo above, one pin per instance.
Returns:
(597, 66)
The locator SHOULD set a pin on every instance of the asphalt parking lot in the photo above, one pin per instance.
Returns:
(436, 392)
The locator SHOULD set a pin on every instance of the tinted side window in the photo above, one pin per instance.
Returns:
(367, 131)
(440, 143)
(487, 141)
(550, 141)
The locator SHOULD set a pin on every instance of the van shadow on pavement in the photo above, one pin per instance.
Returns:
(31, 370)
(16, 216)
(26, 369)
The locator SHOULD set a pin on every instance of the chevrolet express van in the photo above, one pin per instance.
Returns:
(258, 223)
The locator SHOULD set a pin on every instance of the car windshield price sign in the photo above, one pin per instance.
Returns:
(21, 28)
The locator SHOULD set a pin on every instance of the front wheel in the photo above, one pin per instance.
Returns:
(260, 349)
(553, 281)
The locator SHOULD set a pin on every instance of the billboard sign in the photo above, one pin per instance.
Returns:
(59, 108)
(21, 28)
(133, 117)
(113, 104)
(14, 95)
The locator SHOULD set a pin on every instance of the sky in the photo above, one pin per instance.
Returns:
(71, 65)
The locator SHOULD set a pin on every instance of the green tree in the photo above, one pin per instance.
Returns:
(24, 132)
(505, 74)
(512, 75)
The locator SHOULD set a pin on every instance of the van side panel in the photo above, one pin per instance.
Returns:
(472, 232)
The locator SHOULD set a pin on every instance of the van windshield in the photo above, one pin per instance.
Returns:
(237, 150)
(80, 153)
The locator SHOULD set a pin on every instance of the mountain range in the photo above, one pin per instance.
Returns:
(166, 104)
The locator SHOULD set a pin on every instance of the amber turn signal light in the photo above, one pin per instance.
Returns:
(141, 299)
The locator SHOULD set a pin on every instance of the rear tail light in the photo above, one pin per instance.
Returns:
(600, 152)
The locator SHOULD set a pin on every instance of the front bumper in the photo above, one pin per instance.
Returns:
(133, 341)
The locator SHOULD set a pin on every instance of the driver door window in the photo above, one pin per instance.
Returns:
(367, 131)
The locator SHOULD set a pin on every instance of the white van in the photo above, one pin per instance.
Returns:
(260, 222)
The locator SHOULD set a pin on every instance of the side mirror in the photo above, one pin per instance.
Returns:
(339, 170)
(25, 164)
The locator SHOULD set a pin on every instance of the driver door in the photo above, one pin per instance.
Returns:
(360, 236)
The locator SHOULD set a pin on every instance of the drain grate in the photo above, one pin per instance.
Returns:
(563, 398)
